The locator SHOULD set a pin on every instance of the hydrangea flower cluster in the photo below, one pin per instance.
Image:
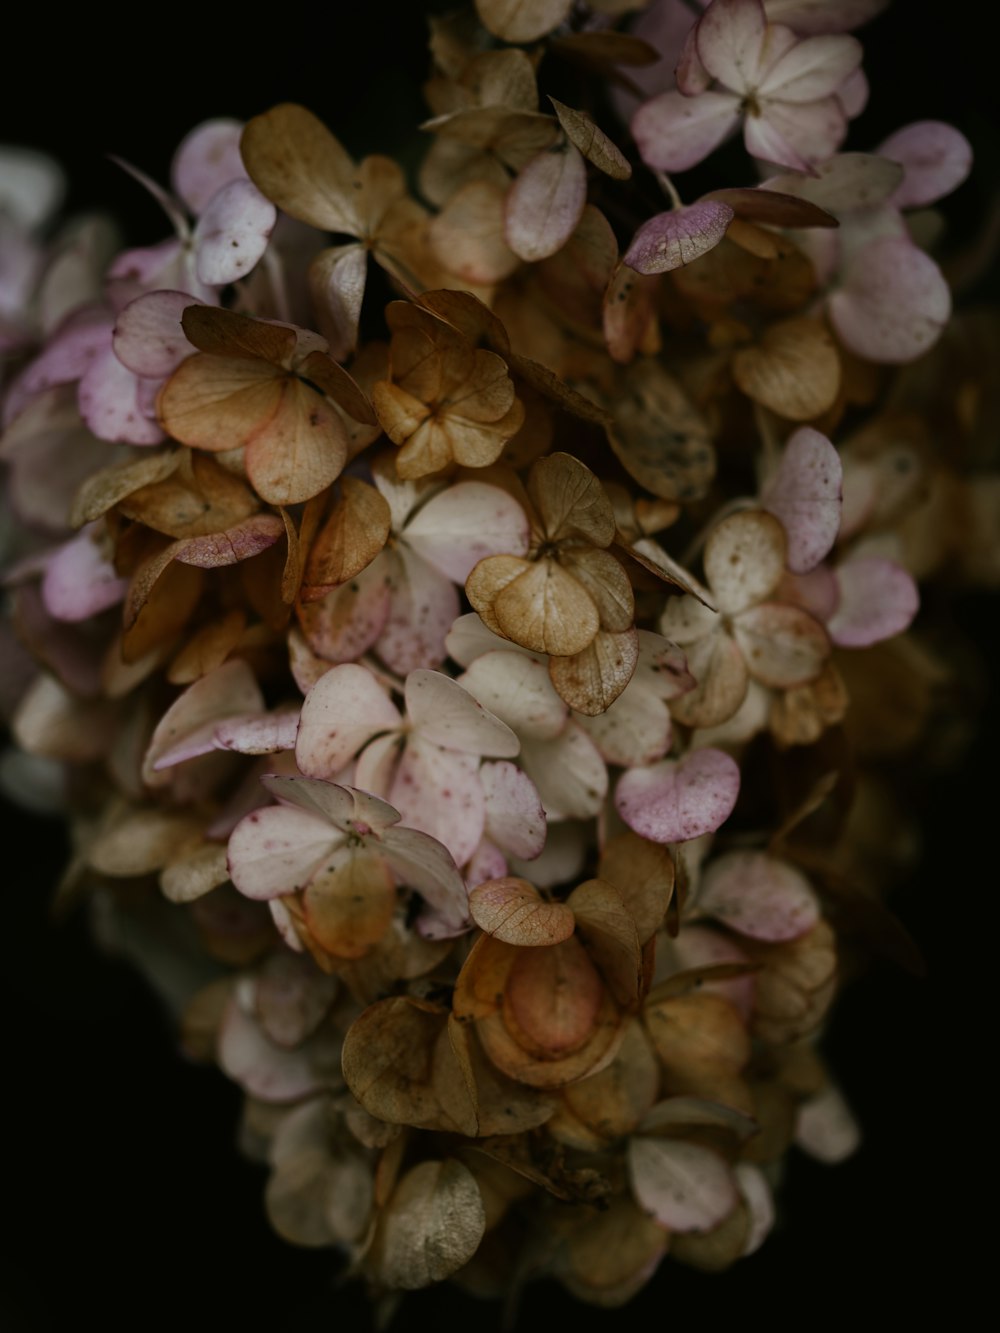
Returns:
(478, 698)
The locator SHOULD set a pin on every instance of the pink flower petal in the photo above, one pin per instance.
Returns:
(278, 849)
(422, 610)
(266, 1071)
(893, 303)
(676, 801)
(805, 494)
(448, 715)
(730, 40)
(878, 599)
(676, 132)
(112, 403)
(545, 202)
(79, 580)
(686, 1187)
(233, 232)
(344, 710)
(83, 339)
(848, 181)
(425, 864)
(227, 691)
(462, 525)
(346, 808)
(258, 733)
(670, 240)
(207, 159)
(439, 792)
(148, 337)
(759, 896)
(812, 69)
(515, 820)
(935, 157)
(810, 132)
(763, 139)
(350, 619)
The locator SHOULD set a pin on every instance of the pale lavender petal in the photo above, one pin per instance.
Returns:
(266, 1071)
(208, 158)
(670, 240)
(112, 404)
(810, 17)
(805, 494)
(759, 896)
(690, 75)
(545, 202)
(686, 1187)
(893, 302)
(878, 599)
(811, 132)
(935, 157)
(233, 232)
(846, 182)
(66, 358)
(148, 338)
(853, 93)
(80, 581)
(676, 801)
(515, 820)
(448, 715)
(731, 42)
(812, 69)
(676, 132)
(462, 525)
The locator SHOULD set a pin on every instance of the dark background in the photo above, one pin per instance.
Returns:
(125, 1200)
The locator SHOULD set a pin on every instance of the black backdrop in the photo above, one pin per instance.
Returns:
(125, 1200)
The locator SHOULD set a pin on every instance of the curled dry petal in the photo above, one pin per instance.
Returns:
(592, 142)
(511, 911)
(676, 801)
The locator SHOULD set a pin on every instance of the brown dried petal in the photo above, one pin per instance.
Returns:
(387, 1061)
(142, 841)
(660, 437)
(521, 20)
(781, 645)
(511, 910)
(744, 559)
(794, 370)
(592, 142)
(337, 279)
(322, 371)
(431, 1226)
(106, 488)
(643, 873)
(606, 582)
(297, 163)
(300, 451)
(354, 533)
(349, 905)
(219, 332)
(591, 680)
(717, 665)
(570, 500)
(546, 610)
(467, 235)
(612, 940)
(197, 498)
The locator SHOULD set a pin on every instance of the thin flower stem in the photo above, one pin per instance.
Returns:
(668, 188)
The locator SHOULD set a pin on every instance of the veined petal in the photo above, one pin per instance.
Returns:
(426, 865)
(545, 203)
(547, 610)
(677, 801)
(148, 337)
(730, 38)
(515, 820)
(744, 559)
(518, 690)
(759, 896)
(670, 240)
(511, 910)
